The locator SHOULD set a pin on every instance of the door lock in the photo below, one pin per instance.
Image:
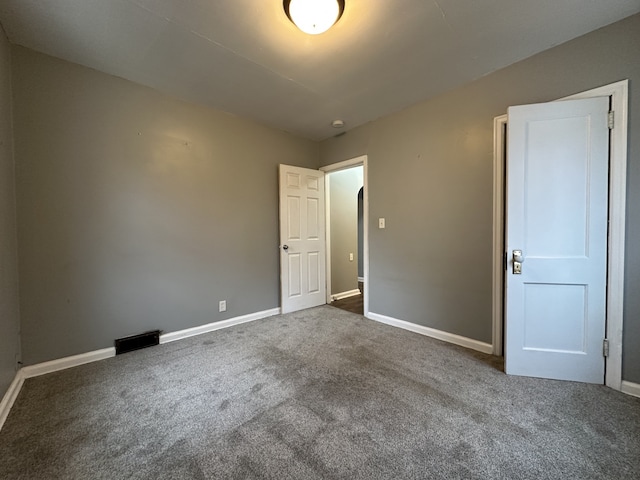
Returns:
(517, 258)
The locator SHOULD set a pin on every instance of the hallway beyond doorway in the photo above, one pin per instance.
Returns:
(354, 304)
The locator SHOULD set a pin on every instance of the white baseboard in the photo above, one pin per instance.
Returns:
(433, 333)
(67, 362)
(361, 279)
(630, 388)
(10, 397)
(347, 294)
(210, 327)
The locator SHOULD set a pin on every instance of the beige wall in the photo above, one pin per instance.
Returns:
(344, 186)
(430, 175)
(137, 211)
(9, 311)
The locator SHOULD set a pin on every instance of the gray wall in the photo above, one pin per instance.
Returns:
(344, 186)
(137, 211)
(430, 175)
(9, 312)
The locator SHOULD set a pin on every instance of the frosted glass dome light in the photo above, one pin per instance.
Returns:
(314, 16)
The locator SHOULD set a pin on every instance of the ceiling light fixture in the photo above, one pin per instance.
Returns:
(314, 16)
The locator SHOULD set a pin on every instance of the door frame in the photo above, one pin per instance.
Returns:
(618, 92)
(335, 167)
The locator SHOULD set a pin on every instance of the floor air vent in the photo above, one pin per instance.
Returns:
(136, 342)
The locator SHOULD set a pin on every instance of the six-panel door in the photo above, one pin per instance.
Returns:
(302, 238)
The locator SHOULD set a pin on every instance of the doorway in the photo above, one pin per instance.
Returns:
(347, 234)
(615, 260)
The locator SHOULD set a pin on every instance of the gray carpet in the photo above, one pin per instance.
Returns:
(318, 394)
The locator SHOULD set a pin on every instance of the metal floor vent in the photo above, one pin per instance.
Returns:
(136, 342)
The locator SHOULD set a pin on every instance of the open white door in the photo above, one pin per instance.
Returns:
(302, 238)
(557, 199)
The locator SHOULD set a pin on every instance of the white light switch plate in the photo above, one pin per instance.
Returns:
(381, 223)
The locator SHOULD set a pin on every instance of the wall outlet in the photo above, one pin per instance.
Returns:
(351, 257)
(222, 306)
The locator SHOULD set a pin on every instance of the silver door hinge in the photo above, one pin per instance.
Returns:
(605, 347)
(610, 120)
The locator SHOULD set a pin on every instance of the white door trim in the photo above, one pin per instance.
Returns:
(327, 232)
(617, 206)
(353, 162)
(499, 266)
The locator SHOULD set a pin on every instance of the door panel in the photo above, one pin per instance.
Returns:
(557, 188)
(302, 227)
(555, 317)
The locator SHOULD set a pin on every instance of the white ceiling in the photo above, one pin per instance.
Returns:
(245, 57)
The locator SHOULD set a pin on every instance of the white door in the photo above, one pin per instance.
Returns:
(557, 199)
(302, 238)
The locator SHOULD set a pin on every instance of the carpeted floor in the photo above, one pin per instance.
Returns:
(317, 394)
